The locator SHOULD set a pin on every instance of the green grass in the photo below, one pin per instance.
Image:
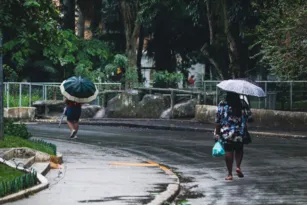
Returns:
(8, 173)
(10, 142)
(25, 100)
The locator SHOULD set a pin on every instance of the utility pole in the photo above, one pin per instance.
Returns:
(1, 94)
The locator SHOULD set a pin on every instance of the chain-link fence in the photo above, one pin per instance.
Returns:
(23, 94)
(281, 95)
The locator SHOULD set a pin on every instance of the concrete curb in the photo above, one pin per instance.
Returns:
(44, 184)
(171, 191)
(176, 128)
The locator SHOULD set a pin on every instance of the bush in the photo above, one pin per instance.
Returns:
(164, 79)
(18, 130)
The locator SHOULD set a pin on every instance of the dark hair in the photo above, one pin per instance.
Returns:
(234, 101)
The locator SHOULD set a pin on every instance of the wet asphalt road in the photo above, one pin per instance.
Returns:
(275, 169)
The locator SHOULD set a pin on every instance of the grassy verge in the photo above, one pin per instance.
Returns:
(7, 173)
(10, 142)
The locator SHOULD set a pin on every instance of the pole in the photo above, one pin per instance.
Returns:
(291, 96)
(30, 95)
(8, 96)
(172, 103)
(20, 92)
(1, 94)
(266, 98)
(205, 93)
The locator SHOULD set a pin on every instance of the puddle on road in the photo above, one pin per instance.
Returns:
(127, 199)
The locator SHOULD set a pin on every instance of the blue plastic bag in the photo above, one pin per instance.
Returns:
(218, 150)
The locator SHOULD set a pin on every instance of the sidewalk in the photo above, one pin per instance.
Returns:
(101, 175)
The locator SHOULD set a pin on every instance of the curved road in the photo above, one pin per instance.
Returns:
(275, 169)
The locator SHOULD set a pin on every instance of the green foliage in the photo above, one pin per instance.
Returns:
(13, 141)
(36, 22)
(25, 100)
(119, 61)
(131, 77)
(37, 45)
(20, 182)
(46, 144)
(164, 79)
(8, 173)
(282, 34)
(18, 130)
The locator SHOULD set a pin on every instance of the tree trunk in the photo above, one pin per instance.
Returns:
(69, 14)
(81, 20)
(207, 49)
(238, 55)
(140, 53)
(96, 16)
(129, 11)
(210, 20)
(164, 59)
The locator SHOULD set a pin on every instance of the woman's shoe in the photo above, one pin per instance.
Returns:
(239, 173)
(73, 134)
(229, 177)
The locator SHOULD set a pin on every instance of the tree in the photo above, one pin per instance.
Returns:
(282, 36)
(129, 11)
(69, 14)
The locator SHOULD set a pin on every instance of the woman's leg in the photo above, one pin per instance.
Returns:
(239, 156)
(76, 125)
(70, 125)
(229, 162)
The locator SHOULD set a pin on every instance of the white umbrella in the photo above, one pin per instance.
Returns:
(241, 87)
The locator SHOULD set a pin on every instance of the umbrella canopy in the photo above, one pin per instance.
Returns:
(241, 87)
(79, 89)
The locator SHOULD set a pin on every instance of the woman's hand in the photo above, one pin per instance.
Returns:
(216, 137)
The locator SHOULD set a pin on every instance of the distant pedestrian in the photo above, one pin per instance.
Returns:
(231, 118)
(73, 113)
(191, 81)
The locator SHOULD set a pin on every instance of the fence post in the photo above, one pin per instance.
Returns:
(45, 92)
(172, 103)
(43, 97)
(198, 98)
(20, 92)
(291, 98)
(30, 95)
(216, 95)
(205, 93)
(8, 96)
(266, 93)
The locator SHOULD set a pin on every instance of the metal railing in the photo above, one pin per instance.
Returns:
(281, 95)
(23, 94)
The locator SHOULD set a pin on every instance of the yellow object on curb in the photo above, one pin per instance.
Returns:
(55, 166)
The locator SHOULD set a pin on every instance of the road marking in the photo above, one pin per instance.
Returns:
(161, 167)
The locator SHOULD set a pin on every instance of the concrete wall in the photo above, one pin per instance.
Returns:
(25, 113)
(264, 119)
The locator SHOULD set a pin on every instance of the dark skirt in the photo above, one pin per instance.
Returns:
(73, 113)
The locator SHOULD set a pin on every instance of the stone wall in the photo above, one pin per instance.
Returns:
(20, 113)
(282, 120)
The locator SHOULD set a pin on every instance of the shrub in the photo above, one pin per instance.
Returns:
(18, 130)
(164, 79)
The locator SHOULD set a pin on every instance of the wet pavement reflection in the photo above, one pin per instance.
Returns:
(274, 168)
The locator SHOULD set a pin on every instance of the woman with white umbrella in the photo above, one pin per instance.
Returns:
(231, 118)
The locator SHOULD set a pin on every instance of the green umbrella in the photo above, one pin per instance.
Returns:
(79, 89)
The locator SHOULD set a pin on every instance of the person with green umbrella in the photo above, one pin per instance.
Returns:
(77, 90)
